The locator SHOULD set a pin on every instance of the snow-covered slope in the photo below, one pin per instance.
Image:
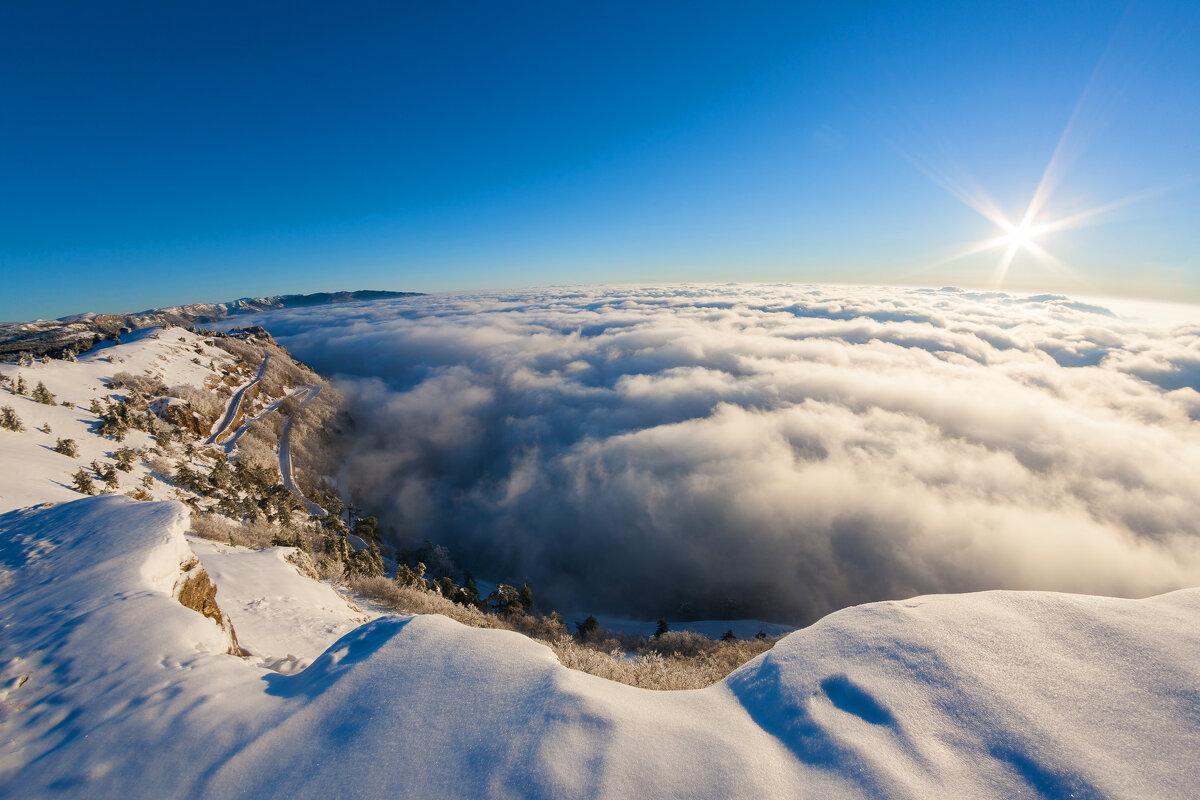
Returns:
(114, 684)
(33, 471)
(283, 617)
(124, 692)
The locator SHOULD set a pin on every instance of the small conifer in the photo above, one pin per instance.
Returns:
(42, 395)
(83, 482)
(124, 458)
(67, 447)
(9, 420)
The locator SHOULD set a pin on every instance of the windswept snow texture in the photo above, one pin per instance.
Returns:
(774, 452)
(113, 689)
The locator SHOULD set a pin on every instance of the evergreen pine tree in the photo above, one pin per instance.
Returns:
(366, 528)
(19, 387)
(470, 591)
(42, 395)
(9, 420)
(587, 628)
(124, 457)
(728, 636)
(83, 482)
(661, 628)
(109, 474)
(221, 475)
(526, 598)
(67, 447)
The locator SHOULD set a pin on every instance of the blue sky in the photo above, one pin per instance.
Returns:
(152, 155)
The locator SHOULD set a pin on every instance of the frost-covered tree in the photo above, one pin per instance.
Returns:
(67, 447)
(406, 576)
(505, 598)
(221, 475)
(9, 420)
(42, 395)
(124, 458)
(19, 387)
(366, 528)
(109, 474)
(83, 482)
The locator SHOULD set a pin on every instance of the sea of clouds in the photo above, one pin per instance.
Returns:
(776, 452)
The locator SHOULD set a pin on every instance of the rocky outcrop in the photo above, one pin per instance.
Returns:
(177, 412)
(196, 590)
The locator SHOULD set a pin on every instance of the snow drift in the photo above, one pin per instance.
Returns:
(113, 689)
(773, 451)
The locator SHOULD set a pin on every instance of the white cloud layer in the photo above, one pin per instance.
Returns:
(773, 451)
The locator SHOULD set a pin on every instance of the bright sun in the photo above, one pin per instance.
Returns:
(1020, 236)
(1024, 235)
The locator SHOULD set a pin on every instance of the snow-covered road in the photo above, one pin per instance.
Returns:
(305, 395)
(233, 410)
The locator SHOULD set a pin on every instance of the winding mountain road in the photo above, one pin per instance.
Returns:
(233, 411)
(306, 394)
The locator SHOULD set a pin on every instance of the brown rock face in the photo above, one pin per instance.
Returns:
(184, 417)
(195, 590)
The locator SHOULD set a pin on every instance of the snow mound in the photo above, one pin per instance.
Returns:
(283, 618)
(114, 689)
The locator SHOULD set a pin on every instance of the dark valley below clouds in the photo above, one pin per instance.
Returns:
(776, 452)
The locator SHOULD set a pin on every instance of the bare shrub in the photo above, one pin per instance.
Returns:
(681, 660)
(415, 600)
(142, 384)
(255, 535)
(256, 448)
(248, 353)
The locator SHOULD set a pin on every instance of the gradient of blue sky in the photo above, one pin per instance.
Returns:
(153, 154)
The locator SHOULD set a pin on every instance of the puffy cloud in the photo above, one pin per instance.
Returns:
(773, 451)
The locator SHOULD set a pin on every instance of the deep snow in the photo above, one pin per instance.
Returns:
(997, 694)
(109, 687)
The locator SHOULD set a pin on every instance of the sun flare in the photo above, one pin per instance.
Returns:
(1022, 235)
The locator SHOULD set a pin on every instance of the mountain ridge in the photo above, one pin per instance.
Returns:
(80, 331)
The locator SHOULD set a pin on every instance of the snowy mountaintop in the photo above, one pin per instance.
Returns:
(80, 331)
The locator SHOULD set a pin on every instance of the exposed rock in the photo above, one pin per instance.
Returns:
(195, 590)
(179, 413)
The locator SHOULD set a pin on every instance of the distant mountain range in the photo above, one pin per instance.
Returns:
(79, 331)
